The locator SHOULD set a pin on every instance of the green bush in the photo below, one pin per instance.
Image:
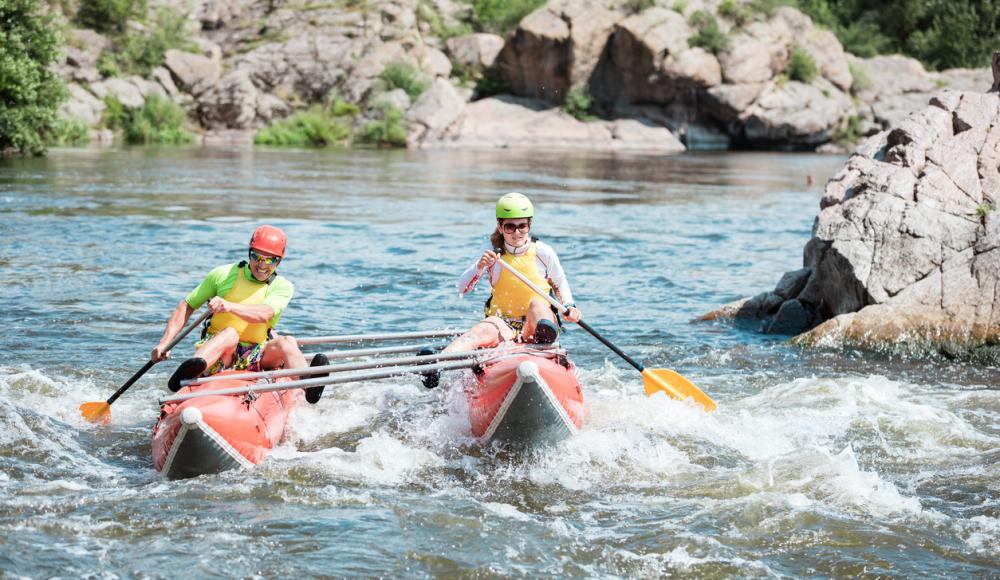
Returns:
(389, 131)
(428, 13)
(140, 54)
(941, 34)
(29, 91)
(67, 133)
(401, 75)
(158, 121)
(801, 65)
(680, 6)
(861, 80)
(637, 6)
(708, 36)
(984, 209)
(738, 13)
(107, 65)
(502, 16)
(579, 104)
(848, 133)
(109, 16)
(491, 83)
(316, 127)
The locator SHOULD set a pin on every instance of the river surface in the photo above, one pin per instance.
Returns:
(817, 463)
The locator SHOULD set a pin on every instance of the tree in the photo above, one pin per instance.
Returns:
(29, 91)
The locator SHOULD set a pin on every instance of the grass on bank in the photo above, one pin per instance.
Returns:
(158, 122)
(707, 34)
(801, 65)
(402, 75)
(319, 126)
(579, 104)
(67, 133)
(388, 131)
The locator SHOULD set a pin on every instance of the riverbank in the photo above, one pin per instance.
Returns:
(601, 76)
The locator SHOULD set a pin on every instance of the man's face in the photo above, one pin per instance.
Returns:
(262, 264)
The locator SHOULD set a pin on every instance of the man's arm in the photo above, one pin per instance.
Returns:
(177, 321)
(252, 313)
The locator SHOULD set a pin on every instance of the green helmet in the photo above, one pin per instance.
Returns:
(514, 205)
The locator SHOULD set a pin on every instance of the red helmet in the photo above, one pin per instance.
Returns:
(269, 239)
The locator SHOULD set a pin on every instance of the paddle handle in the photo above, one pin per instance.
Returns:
(149, 364)
(564, 310)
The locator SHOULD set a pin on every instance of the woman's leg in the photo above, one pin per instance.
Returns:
(486, 333)
(537, 310)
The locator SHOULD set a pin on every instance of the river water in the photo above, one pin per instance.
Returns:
(816, 463)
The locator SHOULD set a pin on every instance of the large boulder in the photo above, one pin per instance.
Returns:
(905, 251)
(192, 73)
(795, 115)
(631, 69)
(556, 48)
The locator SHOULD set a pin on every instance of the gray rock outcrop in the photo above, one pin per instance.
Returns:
(905, 251)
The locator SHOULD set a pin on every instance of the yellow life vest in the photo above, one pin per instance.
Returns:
(244, 291)
(511, 296)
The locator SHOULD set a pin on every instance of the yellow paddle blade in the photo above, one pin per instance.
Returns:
(96, 412)
(673, 384)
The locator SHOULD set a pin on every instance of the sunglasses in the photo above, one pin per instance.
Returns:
(509, 228)
(267, 260)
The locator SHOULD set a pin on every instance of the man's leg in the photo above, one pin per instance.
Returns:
(219, 347)
(282, 352)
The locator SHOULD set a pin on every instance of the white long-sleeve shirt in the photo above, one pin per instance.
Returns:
(546, 261)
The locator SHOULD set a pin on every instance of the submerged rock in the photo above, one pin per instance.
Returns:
(905, 251)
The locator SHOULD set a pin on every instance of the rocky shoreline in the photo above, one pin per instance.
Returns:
(905, 253)
(651, 84)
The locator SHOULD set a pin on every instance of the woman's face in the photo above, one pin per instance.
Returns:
(515, 231)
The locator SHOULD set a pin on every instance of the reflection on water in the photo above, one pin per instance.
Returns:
(818, 463)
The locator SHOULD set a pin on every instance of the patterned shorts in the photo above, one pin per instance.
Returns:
(246, 358)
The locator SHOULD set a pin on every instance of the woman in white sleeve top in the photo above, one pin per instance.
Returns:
(514, 311)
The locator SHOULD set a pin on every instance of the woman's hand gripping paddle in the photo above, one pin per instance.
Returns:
(654, 380)
(100, 412)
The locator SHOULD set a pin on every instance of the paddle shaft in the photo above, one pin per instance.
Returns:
(149, 364)
(354, 353)
(321, 381)
(372, 337)
(369, 364)
(564, 310)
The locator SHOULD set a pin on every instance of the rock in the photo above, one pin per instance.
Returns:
(728, 102)
(82, 105)
(231, 103)
(514, 122)
(84, 47)
(747, 62)
(902, 253)
(271, 107)
(432, 61)
(796, 115)
(162, 76)
(555, 49)
(434, 113)
(475, 52)
(396, 98)
(127, 93)
(631, 69)
(792, 318)
(193, 73)
(792, 283)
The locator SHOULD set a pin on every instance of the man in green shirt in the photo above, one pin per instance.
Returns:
(247, 299)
